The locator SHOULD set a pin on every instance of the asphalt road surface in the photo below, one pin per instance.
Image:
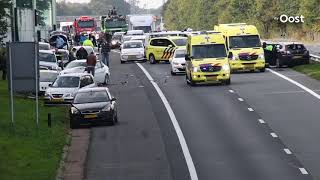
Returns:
(261, 127)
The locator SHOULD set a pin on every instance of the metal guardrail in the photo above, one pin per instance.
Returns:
(315, 58)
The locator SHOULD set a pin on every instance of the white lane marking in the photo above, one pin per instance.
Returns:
(287, 151)
(289, 92)
(295, 83)
(303, 171)
(183, 143)
(240, 99)
(231, 91)
(250, 109)
(261, 121)
(274, 135)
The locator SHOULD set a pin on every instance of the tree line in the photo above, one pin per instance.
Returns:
(204, 14)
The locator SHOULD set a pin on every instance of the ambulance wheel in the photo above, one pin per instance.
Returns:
(263, 70)
(152, 59)
(228, 82)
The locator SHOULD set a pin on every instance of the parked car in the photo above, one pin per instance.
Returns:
(178, 62)
(65, 87)
(48, 60)
(101, 75)
(47, 77)
(132, 51)
(44, 46)
(93, 106)
(286, 54)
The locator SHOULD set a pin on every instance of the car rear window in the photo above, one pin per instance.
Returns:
(296, 47)
(91, 97)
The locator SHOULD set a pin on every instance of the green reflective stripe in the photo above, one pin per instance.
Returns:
(269, 48)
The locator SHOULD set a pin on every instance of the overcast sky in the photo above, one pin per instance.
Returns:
(142, 3)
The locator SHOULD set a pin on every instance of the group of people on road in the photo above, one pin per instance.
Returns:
(85, 40)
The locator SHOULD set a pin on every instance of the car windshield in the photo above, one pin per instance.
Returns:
(116, 37)
(295, 47)
(127, 38)
(208, 51)
(66, 82)
(114, 23)
(132, 45)
(74, 64)
(180, 54)
(180, 42)
(91, 97)
(244, 41)
(48, 76)
(86, 24)
(47, 57)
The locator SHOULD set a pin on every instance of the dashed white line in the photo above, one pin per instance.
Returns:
(274, 135)
(250, 109)
(240, 99)
(261, 121)
(231, 91)
(287, 151)
(303, 171)
(183, 143)
(296, 83)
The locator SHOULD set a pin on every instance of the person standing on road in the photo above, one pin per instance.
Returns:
(77, 39)
(87, 42)
(82, 53)
(105, 50)
(91, 63)
(3, 65)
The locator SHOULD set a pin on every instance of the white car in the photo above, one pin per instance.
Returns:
(134, 33)
(47, 77)
(132, 51)
(101, 74)
(65, 87)
(48, 60)
(178, 62)
(141, 38)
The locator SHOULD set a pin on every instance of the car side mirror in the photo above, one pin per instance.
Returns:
(187, 57)
(113, 99)
(230, 55)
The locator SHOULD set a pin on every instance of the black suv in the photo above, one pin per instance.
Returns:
(286, 54)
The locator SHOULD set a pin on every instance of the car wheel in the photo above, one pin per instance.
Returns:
(106, 79)
(262, 70)
(152, 59)
(122, 62)
(113, 120)
(73, 125)
(173, 73)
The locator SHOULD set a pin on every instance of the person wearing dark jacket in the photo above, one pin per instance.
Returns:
(91, 63)
(105, 50)
(82, 53)
(3, 65)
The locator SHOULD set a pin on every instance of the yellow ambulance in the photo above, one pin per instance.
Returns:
(207, 60)
(244, 46)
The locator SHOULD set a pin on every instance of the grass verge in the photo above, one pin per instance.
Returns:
(28, 152)
(312, 70)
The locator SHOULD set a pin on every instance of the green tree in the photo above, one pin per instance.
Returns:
(4, 8)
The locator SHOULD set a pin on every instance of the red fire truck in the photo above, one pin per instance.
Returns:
(84, 24)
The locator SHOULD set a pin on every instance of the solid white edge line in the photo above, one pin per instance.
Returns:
(232, 91)
(262, 121)
(303, 171)
(274, 135)
(250, 109)
(295, 83)
(287, 151)
(183, 143)
(240, 99)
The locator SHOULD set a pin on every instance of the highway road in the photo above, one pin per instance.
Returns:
(261, 127)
